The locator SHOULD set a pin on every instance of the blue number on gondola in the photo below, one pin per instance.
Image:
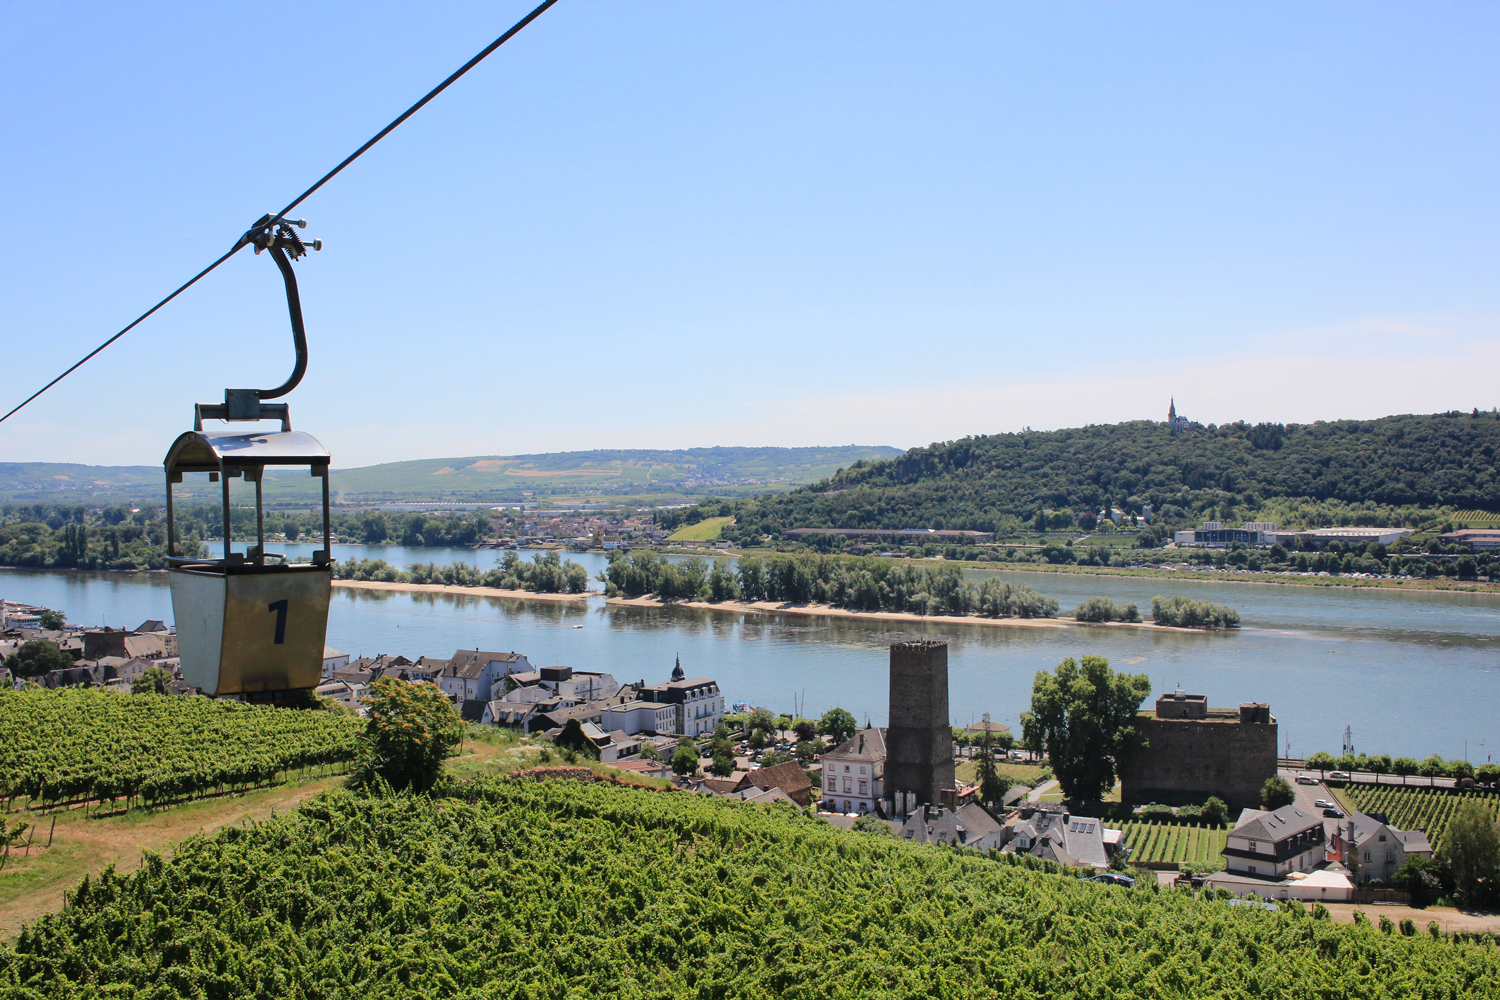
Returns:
(280, 608)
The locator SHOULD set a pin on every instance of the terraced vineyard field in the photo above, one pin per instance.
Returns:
(514, 888)
(1200, 846)
(1425, 809)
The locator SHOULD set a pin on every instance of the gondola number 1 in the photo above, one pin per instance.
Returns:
(280, 608)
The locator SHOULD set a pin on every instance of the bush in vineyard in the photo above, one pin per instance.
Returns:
(409, 731)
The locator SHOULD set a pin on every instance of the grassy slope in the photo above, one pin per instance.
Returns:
(552, 889)
(705, 530)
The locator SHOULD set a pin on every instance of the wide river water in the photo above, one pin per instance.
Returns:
(1412, 672)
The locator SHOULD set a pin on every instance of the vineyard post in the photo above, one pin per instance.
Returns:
(29, 840)
(50, 829)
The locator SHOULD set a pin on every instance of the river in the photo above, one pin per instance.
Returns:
(1412, 672)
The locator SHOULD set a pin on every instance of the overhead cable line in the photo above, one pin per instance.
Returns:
(245, 241)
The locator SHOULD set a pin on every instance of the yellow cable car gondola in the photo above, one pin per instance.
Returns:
(251, 623)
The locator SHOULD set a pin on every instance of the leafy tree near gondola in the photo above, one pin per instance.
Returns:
(1081, 717)
(573, 738)
(838, 725)
(1277, 792)
(410, 730)
(52, 621)
(35, 658)
(153, 681)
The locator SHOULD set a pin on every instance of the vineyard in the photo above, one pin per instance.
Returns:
(518, 888)
(1201, 847)
(1425, 809)
(79, 744)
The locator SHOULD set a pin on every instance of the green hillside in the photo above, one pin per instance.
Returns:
(687, 473)
(518, 888)
(1396, 468)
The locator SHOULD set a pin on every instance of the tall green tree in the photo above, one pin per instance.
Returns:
(153, 680)
(992, 784)
(1277, 792)
(52, 620)
(1082, 718)
(37, 657)
(410, 730)
(1471, 850)
(838, 725)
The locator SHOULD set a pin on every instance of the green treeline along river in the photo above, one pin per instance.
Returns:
(1412, 673)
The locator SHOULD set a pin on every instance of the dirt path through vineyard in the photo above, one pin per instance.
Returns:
(31, 887)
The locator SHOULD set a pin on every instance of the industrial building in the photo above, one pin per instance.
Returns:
(1216, 535)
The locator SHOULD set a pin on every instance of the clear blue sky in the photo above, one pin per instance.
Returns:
(683, 224)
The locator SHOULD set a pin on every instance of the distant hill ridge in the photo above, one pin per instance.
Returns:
(689, 471)
(1393, 464)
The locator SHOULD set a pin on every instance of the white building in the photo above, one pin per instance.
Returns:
(699, 704)
(574, 687)
(471, 673)
(854, 773)
(1270, 844)
(639, 717)
(1379, 849)
(333, 660)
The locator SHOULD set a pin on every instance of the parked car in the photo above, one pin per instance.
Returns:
(1339, 775)
(1333, 814)
(1113, 878)
(1306, 779)
(1325, 804)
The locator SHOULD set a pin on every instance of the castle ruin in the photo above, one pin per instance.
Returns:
(1195, 751)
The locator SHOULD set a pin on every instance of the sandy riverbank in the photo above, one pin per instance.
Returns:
(442, 588)
(826, 610)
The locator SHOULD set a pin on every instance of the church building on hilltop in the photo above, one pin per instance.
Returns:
(1177, 424)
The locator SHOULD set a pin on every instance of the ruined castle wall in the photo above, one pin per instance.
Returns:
(1189, 760)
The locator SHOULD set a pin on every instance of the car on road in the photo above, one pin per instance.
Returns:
(1324, 804)
(1339, 775)
(1306, 779)
(1333, 814)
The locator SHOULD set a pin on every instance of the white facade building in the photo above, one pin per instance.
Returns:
(854, 773)
(1271, 844)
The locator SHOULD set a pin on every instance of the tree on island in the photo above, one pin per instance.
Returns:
(1277, 792)
(992, 784)
(35, 658)
(410, 730)
(838, 725)
(1081, 717)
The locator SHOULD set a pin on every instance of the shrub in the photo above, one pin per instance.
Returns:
(409, 731)
(1183, 612)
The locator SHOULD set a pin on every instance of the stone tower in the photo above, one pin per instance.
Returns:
(919, 740)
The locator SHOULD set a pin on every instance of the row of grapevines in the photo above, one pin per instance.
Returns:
(550, 889)
(1426, 809)
(1179, 843)
(85, 744)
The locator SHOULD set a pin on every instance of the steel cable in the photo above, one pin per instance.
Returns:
(514, 29)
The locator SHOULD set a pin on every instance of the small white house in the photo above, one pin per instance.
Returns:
(333, 660)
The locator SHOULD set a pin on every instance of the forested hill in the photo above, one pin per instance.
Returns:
(1227, 471)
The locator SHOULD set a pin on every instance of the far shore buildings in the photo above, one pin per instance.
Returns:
(1218, 535)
